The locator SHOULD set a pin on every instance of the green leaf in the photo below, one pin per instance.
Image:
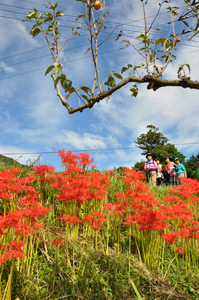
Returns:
(51, 6)
(160, 41)
(118, 75)
(110, 82)
(49, 69)
(181, 70)
(124, 69)
(66, 84)
(86, 89)
(58, 69)
(35, 31)
(134, 90)
(59, 14)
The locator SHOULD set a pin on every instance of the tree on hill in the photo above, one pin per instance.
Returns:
(156, 52)
(147, 142)
(156, 143)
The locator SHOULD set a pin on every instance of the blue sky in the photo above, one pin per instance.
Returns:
(32, 118)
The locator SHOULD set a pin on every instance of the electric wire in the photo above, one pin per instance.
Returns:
(90, 150)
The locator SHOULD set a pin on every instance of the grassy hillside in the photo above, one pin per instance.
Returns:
(8, 162)
(88, 235)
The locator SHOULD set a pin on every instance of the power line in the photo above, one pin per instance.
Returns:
(91, 150)
(77, 59)
(126, 24)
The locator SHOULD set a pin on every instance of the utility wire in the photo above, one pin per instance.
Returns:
(73, 60)
(91, 150)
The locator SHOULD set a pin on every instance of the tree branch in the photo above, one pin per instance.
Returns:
(154, 83)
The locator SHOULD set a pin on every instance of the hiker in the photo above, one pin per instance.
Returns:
(180, 171)
(150, 167)
(196, 175)
(159, 171)
(170, 170)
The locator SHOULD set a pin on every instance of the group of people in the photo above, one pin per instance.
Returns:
(171, 174)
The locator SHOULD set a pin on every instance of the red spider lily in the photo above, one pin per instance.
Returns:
(82, 187)
(152, 220)
(178, 211)
(189, 232)
(180, 250)
(12, 251)
(118, 213)
(16, 244)
(121, 196)
(132, 175)
(18, 220)
(57, 242)
(70, 219)
(3, 259)
(109, 173)
(42, 170)
(171, 198)
(187, 190)
(132, 219)
(10, 185)
(195, 200)
(75, 163)
(85, 160)
(29, 200)
(68, 157)
(95, 220)
(170, 237)
(109, 206)
(12, 254)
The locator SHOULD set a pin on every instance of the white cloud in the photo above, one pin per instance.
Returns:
(6, 68)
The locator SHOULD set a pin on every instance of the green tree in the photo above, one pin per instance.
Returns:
(156, 52)
(191, 165)
(147, 142)
(167, 150)
(139, 166)
(156, 143)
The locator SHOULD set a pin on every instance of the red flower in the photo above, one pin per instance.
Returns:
(57, 242)
(180, 250)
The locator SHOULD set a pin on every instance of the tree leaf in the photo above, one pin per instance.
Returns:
(66, 84)
(86, 89)
(124, 69)
(134, 90)
(35, 31)
(85, 97)
(111, 81)
(70, 92)
(118, 75)
(160, 41)
(49, 69)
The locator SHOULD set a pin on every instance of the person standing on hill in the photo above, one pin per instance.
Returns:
(159, 176)
(170, 170)
(180, 171)
(196, 175)
(150, 167)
